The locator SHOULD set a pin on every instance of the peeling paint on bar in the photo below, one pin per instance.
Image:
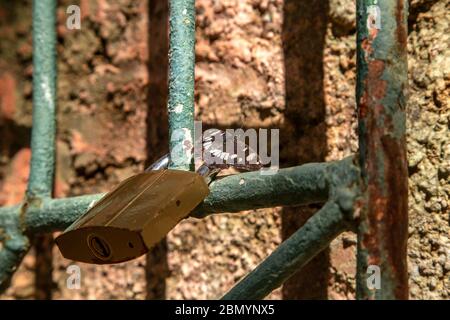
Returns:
(44, 99)
(381, 87)
(181, 83)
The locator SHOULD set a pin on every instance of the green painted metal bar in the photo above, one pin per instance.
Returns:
(58, 214)
(309, 183)
(381, 87)
(44, 99)
(314, 236)
(13, 244)
(181, 83)
(291, 186)
(381, 96)
(300, 185)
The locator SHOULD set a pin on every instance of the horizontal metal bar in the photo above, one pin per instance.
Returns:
(44, 99)
(292, 254)
(58, 214)
(299, 185)
(309, 183)
(291, 186)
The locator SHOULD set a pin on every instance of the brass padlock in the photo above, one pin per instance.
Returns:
(134, 216)
(140, 211)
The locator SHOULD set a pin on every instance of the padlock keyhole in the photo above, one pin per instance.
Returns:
(99, 247)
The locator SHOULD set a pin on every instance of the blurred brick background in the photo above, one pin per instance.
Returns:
(259, 63)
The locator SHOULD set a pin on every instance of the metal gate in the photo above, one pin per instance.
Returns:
(365, 193)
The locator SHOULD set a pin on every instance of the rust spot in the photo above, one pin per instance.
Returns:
(373, 32)
(376, 68)
(375, 89)
(376, 86)
(363, 106)
(401, 31)
(385, 238)
(386, 216)
(396, 222)
(366, 46)
(378, 90)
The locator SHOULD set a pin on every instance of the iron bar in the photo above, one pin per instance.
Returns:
(13, 244)
(58, 214)
(309, 183)
(314, 236)
(300, 185)
(181, 83)
(291, 186)
(44, 99)
(381, 208)
(381, 97)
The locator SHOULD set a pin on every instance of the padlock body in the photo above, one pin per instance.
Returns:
(133, 217)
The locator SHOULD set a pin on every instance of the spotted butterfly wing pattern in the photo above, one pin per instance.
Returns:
(216, 146)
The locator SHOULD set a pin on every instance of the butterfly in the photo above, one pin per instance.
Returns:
(220, 150)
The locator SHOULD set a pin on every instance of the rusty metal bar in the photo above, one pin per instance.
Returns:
(382, 207)
(381, 98)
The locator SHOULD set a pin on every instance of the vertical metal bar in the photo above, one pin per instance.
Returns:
(381, 97)
(314, 236)
(44, 99)
(13, 244)
(181, 83)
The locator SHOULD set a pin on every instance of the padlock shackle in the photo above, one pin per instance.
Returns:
(204, 170)
(161, 163)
